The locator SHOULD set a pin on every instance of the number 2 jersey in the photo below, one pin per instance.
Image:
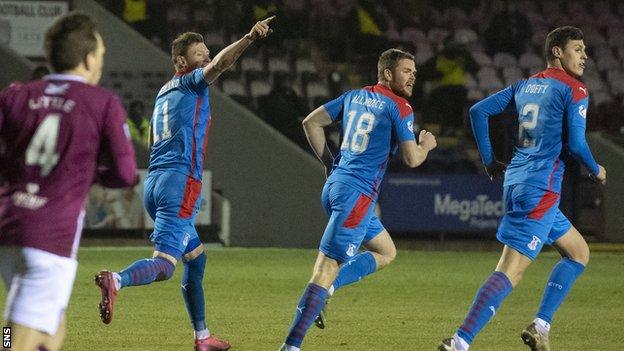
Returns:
(52, 132)
(551, 108)
(180, 125)
(374, 121)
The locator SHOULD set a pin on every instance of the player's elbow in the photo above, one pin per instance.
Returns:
(577, 147)
(412, 160)
(474, 111)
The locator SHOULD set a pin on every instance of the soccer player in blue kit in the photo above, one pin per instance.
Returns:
(375, 119)
(552, 107)
(179, 135)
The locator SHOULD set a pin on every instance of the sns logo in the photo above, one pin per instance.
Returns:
(533, 244)
(351, 250)
(583, 111)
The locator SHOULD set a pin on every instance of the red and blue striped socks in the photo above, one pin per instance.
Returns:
(485, 305)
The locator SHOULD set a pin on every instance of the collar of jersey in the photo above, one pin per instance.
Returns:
(63, 76)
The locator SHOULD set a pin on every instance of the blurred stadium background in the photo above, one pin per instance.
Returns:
(263, 184)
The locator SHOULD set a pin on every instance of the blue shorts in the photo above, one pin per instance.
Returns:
(532, 218)
(352, 221)
(172, 200)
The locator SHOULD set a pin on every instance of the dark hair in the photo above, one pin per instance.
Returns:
(389, 59)
(39, 72)
(69, 40)
(181, 44)
(560, 37)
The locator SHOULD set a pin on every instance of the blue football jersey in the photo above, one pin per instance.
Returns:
(180, 125)
(551, 108)
(374, 120)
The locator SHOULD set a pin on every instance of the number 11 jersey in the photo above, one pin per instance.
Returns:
(180, 125)
(374, 121)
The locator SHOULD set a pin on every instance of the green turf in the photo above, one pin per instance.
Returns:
(421, 298)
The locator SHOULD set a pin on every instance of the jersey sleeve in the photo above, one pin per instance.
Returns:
(403, 124)
(116, 144)
(576, 114)
(194, 80)
(335, 107)
(479, 115)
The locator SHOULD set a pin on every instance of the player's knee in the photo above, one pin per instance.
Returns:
(196, 265)
(167, 269)
(385, 258)
(325, 276)
(581, 255)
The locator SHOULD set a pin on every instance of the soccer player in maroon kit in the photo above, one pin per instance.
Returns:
(52, 133)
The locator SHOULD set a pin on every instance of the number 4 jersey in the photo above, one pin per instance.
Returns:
(551, 108)
(52, 132)
(374, 121)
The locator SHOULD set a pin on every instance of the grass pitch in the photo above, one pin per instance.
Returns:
(421, 298)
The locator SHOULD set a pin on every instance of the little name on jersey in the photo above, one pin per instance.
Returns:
(172, 84)
(55, 102)
(368, 102)
(535, 88)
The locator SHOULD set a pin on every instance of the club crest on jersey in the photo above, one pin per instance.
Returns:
(583, 111)
(186, 239)
(533, 244)
(410, 126)
(351, 250)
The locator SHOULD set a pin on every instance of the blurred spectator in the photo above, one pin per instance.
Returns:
(509, 31)
(284, 110)
(263, 9)
(135, 14)
(39, 72)
(447, 98)
(138, 122)
(369, 20)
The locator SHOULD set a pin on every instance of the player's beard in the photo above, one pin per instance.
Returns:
(402, 90)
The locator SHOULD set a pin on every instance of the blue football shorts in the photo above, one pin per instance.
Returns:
(532, 218)
(352, 221)
(173, 199)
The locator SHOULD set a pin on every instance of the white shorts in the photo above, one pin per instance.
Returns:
(39, 284)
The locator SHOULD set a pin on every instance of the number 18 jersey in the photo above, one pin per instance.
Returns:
(374, 120)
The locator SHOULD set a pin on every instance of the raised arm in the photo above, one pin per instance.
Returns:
(314, 127)
(226, 57)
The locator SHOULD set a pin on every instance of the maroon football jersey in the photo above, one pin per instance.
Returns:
(52, 133)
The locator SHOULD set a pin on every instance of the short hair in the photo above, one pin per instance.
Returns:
(560, 37)
(69, 40)
(181, 44)
(389, 59)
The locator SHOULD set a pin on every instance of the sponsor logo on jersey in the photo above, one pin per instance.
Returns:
(53, 89)
(533, 244)
(583, 111)
(410, 126)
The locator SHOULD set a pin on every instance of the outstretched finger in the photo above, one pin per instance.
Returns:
(269, 19)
